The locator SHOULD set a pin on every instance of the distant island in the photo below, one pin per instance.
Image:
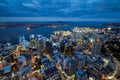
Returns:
(47, 24)
(33, 25)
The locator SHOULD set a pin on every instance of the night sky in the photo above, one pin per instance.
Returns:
(60, 8)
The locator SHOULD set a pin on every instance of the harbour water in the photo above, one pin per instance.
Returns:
(12, 34)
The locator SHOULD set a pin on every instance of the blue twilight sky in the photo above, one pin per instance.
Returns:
(61, 8)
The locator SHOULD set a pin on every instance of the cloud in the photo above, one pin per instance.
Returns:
(2, 4)
(61, 8)
(29, 5)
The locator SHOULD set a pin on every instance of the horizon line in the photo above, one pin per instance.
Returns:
(51, 19)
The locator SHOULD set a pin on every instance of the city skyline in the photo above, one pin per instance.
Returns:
(59, 40)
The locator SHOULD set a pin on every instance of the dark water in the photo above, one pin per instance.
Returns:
(12, 34)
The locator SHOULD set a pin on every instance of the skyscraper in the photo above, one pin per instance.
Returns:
(32, 41)
(68, 50)
(80, 61)
(71, 65)
(62, 45)
(80, 75)
(68, 65)
(48, 48)
(96, 47)
(40, 45)
(23, 42)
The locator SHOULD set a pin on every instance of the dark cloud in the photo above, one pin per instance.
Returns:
(60, 8)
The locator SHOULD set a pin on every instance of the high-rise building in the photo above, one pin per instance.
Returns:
(23, 42)
(52, 74)
(97, 45)
(8, 45)
(56, 47)
(65, 63)
(32, 41)
(40, 45)
(37, 42)
(71, 67)
(48, 48)
(67, 66)
(76, 36)
(68, 51)
(80, 61)
(66, 47)
(62, 45)
(80, 75)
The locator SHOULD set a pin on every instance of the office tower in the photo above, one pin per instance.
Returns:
(80, 61)
(68, 66)
(54, 38)
(40, 45)
(96, 47)
(80, 75)
(65, 63)
(62, 45)
(68, 50)
(23, 42)
(48, 48)
(75, 36)
(66, 47)
(71, 67)
(56, 47)
(99, 64)
(8, 45)
(32, 41)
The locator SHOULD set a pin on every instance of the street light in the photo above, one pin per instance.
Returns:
(28, 28)
(109, 28)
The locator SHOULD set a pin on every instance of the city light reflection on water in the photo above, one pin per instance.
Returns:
(12, 34)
